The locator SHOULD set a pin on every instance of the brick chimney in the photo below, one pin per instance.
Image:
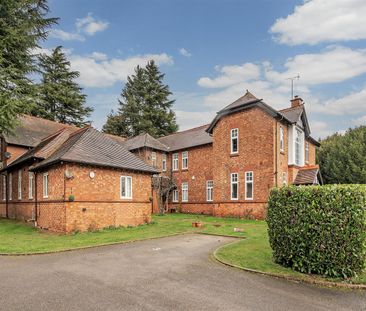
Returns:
(296, 101)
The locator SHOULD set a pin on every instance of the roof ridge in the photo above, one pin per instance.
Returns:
(290, 108)
(49, 121)
(84, 129)
(193, 128)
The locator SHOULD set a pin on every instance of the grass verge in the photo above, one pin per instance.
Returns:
(255, 253)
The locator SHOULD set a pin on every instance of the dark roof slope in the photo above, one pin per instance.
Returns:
(186, 139)
(247, 98)
(89, 146)
(293, 113)
(308, 175)
(144, 140)
(31, 131)
(245, 102)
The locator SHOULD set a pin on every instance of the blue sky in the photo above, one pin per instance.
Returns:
(212, 51)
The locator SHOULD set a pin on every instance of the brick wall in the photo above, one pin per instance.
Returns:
(199, 171)
(97, 204)
(256, 154)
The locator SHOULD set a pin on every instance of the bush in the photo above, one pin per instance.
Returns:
(319, 229)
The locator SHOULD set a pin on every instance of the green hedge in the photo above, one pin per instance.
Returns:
(319, 229)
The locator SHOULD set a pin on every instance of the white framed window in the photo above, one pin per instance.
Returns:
(234, 186)
(209, 190)
(126, 187)
(175, 164)
(284, 179)
(175, 196)
(4, 187)
(249, 185)
(153, 158)
(30, 184)
(298, 147)
(306, 152)
(20, 184)
(282, 139)
(163, 166)
(184, 159)
(45, 185)
(10, 186)
(234, 140)
(185, 192)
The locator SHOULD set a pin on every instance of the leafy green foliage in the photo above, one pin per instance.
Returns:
(342, 158)
(23, 24)
(145, 106)
(61, 98)
(319, 229)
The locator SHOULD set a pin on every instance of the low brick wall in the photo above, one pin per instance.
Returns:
(196, 208)
(21, 210)
(84, 216)
(51, 216)
(2, 209)
(241, 210)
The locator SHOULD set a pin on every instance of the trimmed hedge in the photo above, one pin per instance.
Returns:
(319, 229)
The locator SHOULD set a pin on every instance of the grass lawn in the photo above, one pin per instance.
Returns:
(253, 252)
(18, 238)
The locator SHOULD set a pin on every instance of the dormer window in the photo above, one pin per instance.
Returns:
(234, 140)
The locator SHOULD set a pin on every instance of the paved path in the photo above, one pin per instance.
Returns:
(174, 273)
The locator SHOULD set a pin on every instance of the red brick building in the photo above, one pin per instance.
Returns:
(72, 179)
(66, 179)
(227, 167)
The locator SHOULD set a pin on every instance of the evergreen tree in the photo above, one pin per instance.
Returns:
(145, 106)
(61, 98)
(342, 158)
(23, 24)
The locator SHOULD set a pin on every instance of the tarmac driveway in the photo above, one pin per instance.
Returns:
(174, 273)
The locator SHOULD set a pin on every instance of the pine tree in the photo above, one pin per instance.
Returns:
(61, 98)
(145, 106)
(23, 24)
(342, 158)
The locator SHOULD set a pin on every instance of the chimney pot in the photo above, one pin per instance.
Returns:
(296, 101)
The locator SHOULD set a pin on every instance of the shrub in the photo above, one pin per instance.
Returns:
(319, 229)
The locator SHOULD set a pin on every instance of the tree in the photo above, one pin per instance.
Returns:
(145, 106)
(342, 158)
(23, 24)
(61, 98)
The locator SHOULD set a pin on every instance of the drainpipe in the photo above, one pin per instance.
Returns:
(276, 156)
(35, 199)
(6, 196)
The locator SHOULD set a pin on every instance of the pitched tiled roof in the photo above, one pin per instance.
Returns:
(247, 98)
(245, 102)
(307, 175)
(89, 146)
(118, 139)
(45, 148)
(31, 131)
(293, 113)
(186, 139)
(144, 140)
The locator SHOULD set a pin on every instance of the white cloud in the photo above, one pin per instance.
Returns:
(190, 119)
(230, 75)
(185, 52)
(322, 21)
(360, 121)
(87, 25)
(97, 71)
(66, 36)
(335, 64)
(99, 56)
(351, 104)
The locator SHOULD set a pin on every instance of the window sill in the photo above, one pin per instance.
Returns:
(234, 154)
(184, 169)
